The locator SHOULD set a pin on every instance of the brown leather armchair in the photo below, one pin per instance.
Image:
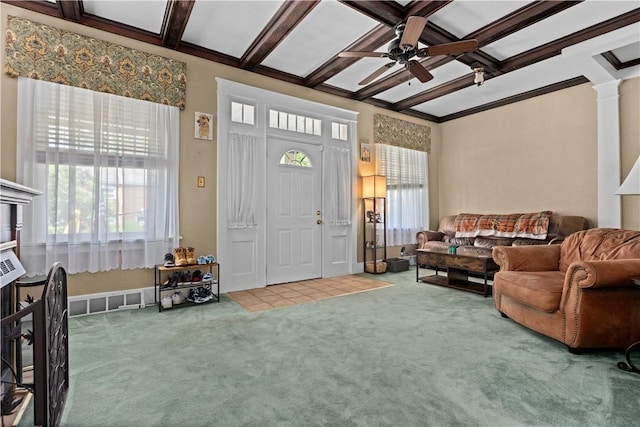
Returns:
(579, 293)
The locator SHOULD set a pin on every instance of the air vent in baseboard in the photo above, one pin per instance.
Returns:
(83, 305)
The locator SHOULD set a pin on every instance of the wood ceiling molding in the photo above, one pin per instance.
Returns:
(438, 91)
(516, 98)
(71, 9)
(555, 47)
(175, 21)
(494, 31)
(388, 13)
(617, 64)
(424, 8)
(44, 7)
(370, 41)
(290, 14)
(519, 19)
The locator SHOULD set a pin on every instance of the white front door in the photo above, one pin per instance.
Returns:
(294, 217)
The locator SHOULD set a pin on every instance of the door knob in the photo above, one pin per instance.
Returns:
(319, 221)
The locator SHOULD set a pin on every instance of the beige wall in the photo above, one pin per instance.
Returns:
(533, 155)
(197, 157)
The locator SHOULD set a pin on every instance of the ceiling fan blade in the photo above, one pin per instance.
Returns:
(418, 70)
(362, 54)
(412, 31)
(371, 77)
(449, 48)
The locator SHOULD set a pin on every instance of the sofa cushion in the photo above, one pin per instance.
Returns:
(491, 242)
(474, 251)
(541, 290)
(529, 242)
(530, 225)
(435, 245)
(599, 244)
(459, 241)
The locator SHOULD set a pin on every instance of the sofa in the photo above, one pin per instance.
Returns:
(478, 234)
(583, 293)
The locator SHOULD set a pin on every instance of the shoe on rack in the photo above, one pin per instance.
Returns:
(168, 283)
(207, 278)
(196, 276)
(169, 260)
(180, 257)
(185, 279)
(166, 302)
(177, 298)
(204, 295)
(210, 259)
(190, 254)
(199, 295)
(201, 260)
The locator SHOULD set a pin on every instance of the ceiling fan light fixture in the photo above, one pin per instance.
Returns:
(478, 74)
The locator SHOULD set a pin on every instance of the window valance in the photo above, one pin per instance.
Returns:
(46, 53)
(400, 133)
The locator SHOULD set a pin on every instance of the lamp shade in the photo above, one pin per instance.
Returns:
(374, 186)
(631, 184)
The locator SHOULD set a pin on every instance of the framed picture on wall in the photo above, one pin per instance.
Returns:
(365, 153)
(203, 126)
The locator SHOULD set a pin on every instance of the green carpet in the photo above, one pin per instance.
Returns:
(407, 355)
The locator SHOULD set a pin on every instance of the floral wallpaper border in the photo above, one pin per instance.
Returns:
(400, 133)
(42, 52)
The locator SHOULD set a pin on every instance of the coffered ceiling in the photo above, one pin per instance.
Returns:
(520, 43)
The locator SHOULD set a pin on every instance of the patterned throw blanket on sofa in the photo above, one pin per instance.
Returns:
(530, 225)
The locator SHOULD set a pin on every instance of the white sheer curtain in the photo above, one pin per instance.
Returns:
(108, 168)
(241, 180)
(339, 179)
(407, 192)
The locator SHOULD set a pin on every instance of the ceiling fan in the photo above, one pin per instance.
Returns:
(403, 48)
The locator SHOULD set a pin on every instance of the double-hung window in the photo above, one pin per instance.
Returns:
(108, 169)
(407, 192)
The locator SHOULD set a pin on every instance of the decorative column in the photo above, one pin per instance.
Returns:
(609, 205)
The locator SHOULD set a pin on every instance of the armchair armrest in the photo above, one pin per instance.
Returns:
(527, 258)
(604, 274)
(427, 235)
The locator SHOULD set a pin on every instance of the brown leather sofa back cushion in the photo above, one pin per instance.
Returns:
(599, 244)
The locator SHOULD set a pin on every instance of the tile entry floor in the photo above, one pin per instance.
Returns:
(286, 294)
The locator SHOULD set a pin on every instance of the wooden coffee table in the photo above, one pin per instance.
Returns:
(458, 268)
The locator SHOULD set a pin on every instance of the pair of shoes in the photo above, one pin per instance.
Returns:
(199, 295)
(184, 256)
(207, 279)
(169, 260)
(172, 281)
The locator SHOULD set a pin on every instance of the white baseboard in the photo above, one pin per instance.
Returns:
(82, 305)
